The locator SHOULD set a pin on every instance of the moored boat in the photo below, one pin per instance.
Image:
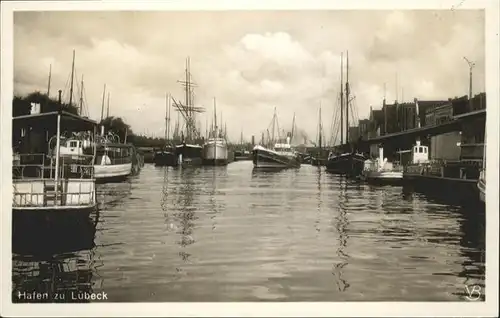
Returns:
(166, 157)
(281, 156)
(189, 155)
(46, 186)
(380, 171)
(351, 164)
(452, 181)
(114, 160)
(241, 155)
(215, 152)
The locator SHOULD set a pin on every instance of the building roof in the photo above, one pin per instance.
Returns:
(69, 120)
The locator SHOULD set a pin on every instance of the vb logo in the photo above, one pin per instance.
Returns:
(474, 292)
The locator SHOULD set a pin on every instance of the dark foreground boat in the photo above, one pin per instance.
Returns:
(350, 164)
(189, 155)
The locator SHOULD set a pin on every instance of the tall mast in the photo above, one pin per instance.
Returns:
(107, 109)
(166, 117)
(215, 119)
(397, 88)
(385, 111)
(72, 75)
(50, 76)
(102, 106)
(341, 98)
(274, 120)
(347, 92)
(320, 126)
(81, 98)
(293, 127)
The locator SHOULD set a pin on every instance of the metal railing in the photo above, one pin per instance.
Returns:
(39, 166)
(52, 199)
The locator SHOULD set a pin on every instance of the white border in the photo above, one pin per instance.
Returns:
(372, 309)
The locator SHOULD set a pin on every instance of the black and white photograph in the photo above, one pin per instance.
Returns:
(168, 158)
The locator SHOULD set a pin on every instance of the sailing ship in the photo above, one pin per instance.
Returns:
(278, 155)
(346, 160)
(189, 151)
(317, 159)
(166, 156)
(215, 151)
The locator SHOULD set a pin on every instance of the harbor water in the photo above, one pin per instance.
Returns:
(234, 234)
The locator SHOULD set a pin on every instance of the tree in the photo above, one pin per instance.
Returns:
(22, 105)
(118, 127)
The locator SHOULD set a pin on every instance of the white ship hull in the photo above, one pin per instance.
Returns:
(215, 153)
(118, 171)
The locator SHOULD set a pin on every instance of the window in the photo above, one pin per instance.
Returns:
(23, 132)
(73, 144)
(420, 150)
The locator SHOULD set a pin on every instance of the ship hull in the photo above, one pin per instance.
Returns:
(189, 155)
(346, 164)
(112, 173)
(383, 177)
(165, 158)
(267, 159)
(215, 154)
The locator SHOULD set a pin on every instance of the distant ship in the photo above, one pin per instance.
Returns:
(215, 151)
(281, 156)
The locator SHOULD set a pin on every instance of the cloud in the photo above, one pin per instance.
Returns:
(250, 61)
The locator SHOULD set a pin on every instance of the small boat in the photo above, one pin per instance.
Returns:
(166, 157)
(380, 171)
(114, 160)
(241, 155)
(59, 187)
(281, 156)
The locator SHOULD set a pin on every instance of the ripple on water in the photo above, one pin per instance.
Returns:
(233, 234)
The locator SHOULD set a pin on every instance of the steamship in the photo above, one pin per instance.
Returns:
(280, 156)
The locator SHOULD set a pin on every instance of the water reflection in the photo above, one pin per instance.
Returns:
(341, 222)
(186, 210)
(233, 234)
(65, 269)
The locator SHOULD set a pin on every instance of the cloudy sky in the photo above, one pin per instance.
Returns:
(251, 61)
